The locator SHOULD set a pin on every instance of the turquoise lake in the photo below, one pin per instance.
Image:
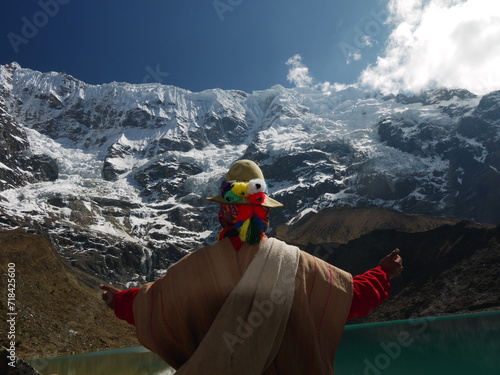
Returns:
(452, 345)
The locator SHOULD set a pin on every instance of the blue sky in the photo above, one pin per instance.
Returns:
(194, 44)
(246, 44)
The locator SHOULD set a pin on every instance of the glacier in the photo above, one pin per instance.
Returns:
(134, 162)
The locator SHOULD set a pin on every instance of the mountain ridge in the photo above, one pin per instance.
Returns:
(339, 225)
(124, 169)
(111, 181)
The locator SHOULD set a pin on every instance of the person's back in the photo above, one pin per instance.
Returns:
(176, 311)
(249, 304)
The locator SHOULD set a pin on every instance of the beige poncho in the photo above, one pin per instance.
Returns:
(285, 325)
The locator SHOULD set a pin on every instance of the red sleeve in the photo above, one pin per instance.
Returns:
(369, 291)
(124, 305)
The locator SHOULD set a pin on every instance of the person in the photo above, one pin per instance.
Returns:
(250, 304)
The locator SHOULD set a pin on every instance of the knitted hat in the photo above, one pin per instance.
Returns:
(244, 184)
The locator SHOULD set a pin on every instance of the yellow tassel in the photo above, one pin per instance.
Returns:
(244, 230)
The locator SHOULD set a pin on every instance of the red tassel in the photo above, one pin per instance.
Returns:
(244, 212)
(260, 212)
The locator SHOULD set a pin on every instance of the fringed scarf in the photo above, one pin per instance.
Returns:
(248, 221)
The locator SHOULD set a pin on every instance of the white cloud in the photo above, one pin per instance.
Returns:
(298, 73)
(327, 88)
(451, 43)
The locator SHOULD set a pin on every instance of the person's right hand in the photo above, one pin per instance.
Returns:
(108, 295)
(392, 264)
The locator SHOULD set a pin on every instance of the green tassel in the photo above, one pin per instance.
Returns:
(250, 231)
(254, 233)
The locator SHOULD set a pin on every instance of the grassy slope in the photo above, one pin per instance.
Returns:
(59, 308)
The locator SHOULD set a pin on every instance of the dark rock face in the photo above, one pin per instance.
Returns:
(110, 170)
(17, 166)
(9, 366)
(44, 167)
(13, 144)
(476, 163)
(471, 149)
(447, 270)
(164, 179)
(434, 96)
(411, 137)
(489, 107)
(183, 144)
(298, 171)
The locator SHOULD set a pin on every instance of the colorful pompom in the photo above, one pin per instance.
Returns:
(250, 221)
(225, 186)
(231, 197)
(240, 188)
(257, 198)
(256, 186)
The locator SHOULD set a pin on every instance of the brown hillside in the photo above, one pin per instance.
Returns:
(59, 309)
(450, 267)
(341, 225)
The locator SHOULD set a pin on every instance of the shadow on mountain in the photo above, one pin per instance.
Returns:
(450, 266)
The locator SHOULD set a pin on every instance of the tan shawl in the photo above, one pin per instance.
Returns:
(175, 313)
(247, 332)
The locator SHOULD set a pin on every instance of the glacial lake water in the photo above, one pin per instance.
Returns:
(452, 345)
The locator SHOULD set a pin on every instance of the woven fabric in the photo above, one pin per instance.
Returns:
(174, 313)
(249, 221)
(247, 332)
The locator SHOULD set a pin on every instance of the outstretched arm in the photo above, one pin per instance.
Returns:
(372, 287)
(121, 301)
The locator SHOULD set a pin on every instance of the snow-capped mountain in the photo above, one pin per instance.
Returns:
(116, 174)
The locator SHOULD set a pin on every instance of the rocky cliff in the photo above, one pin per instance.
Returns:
(450, 267)
(115, 175)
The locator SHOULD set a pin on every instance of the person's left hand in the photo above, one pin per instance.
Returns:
(392, 264)
(108, 295)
